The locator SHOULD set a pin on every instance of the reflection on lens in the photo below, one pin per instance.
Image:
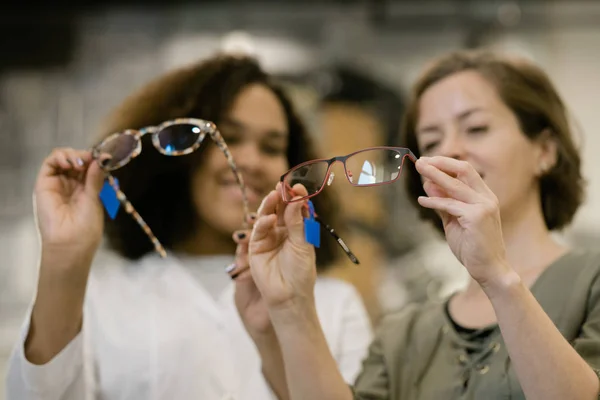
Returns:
(311, 176)
(119, 147)
(178, 137)
(373, 166)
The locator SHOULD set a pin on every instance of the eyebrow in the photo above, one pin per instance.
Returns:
(276, 134)
(435, 128)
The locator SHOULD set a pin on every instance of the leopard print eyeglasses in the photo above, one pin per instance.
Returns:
(176, 137)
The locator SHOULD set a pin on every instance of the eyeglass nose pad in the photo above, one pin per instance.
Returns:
(330, 179)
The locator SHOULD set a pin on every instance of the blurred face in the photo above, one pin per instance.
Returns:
(462, 116)
(256, 132)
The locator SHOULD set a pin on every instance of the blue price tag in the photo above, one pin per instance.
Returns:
(312, 229)
(109, 199)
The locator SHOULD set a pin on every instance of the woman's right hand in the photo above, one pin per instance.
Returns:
(282, 263)
(68, 210)
(70, 222)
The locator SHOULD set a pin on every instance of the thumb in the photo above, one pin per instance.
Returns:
(294, 216)
(94, 179)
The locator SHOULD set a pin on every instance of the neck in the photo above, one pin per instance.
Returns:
(207, 241)
(528, 242)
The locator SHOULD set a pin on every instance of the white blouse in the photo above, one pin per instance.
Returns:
(153, 331)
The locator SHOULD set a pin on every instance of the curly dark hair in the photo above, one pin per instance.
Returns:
(529, 93)
(158, 186)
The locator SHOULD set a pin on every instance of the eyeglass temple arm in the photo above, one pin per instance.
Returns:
(216, 136)
(131, 210)
(338, 239)
(410, 155)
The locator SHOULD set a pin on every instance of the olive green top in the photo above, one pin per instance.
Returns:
(419, 354)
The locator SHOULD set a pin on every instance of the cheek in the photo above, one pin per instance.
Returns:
(276, 167)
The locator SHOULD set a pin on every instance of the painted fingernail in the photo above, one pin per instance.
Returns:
(252, 216)
(79, 162)
(240, 235)
(230, 267)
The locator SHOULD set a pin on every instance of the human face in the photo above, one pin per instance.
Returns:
(256, 132)
(462, 116)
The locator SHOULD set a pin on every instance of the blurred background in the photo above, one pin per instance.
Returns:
(348, 65)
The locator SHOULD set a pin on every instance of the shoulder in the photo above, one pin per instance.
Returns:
(578, 268)
(583, 259)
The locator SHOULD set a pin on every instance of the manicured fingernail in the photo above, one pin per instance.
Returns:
(252, 216)
(80, 162)
(240, 235)
(230, 267)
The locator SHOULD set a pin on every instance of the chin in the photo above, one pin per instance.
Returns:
(229, 221)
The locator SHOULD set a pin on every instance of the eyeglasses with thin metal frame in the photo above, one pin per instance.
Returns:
(373, 166)
(175, 137)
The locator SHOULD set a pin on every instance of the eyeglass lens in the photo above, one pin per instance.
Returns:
(172, 139)
(369, 167)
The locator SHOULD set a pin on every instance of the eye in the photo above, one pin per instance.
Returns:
(230, 137)
(274, 150)
(428, 147)
(478, 129)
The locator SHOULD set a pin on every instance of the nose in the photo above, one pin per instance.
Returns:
(453, 146)
(247, 156)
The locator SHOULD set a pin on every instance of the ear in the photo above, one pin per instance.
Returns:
(547, 152)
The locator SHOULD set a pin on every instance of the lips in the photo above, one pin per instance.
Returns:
(254, 194)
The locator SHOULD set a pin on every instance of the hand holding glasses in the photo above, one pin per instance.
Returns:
(372, 166)
(171, 138)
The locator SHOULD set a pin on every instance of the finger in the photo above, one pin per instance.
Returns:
(57, 161)
(54, 164)
(94, 179)
(243, 275)
(452, 186)
(241, 258)
(297, 192)
(242, 236)
(251, 219)
(433, 190)
(240, 264)
(269, 204)
(281, 205)
(76, 158)
(294, 221)
(263, 227)
(444, 204)
(460, 169)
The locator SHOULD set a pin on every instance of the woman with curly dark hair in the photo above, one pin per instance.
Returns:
(139, 326)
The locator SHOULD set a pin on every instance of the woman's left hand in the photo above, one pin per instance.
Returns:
(470, 215)
(248, 300)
